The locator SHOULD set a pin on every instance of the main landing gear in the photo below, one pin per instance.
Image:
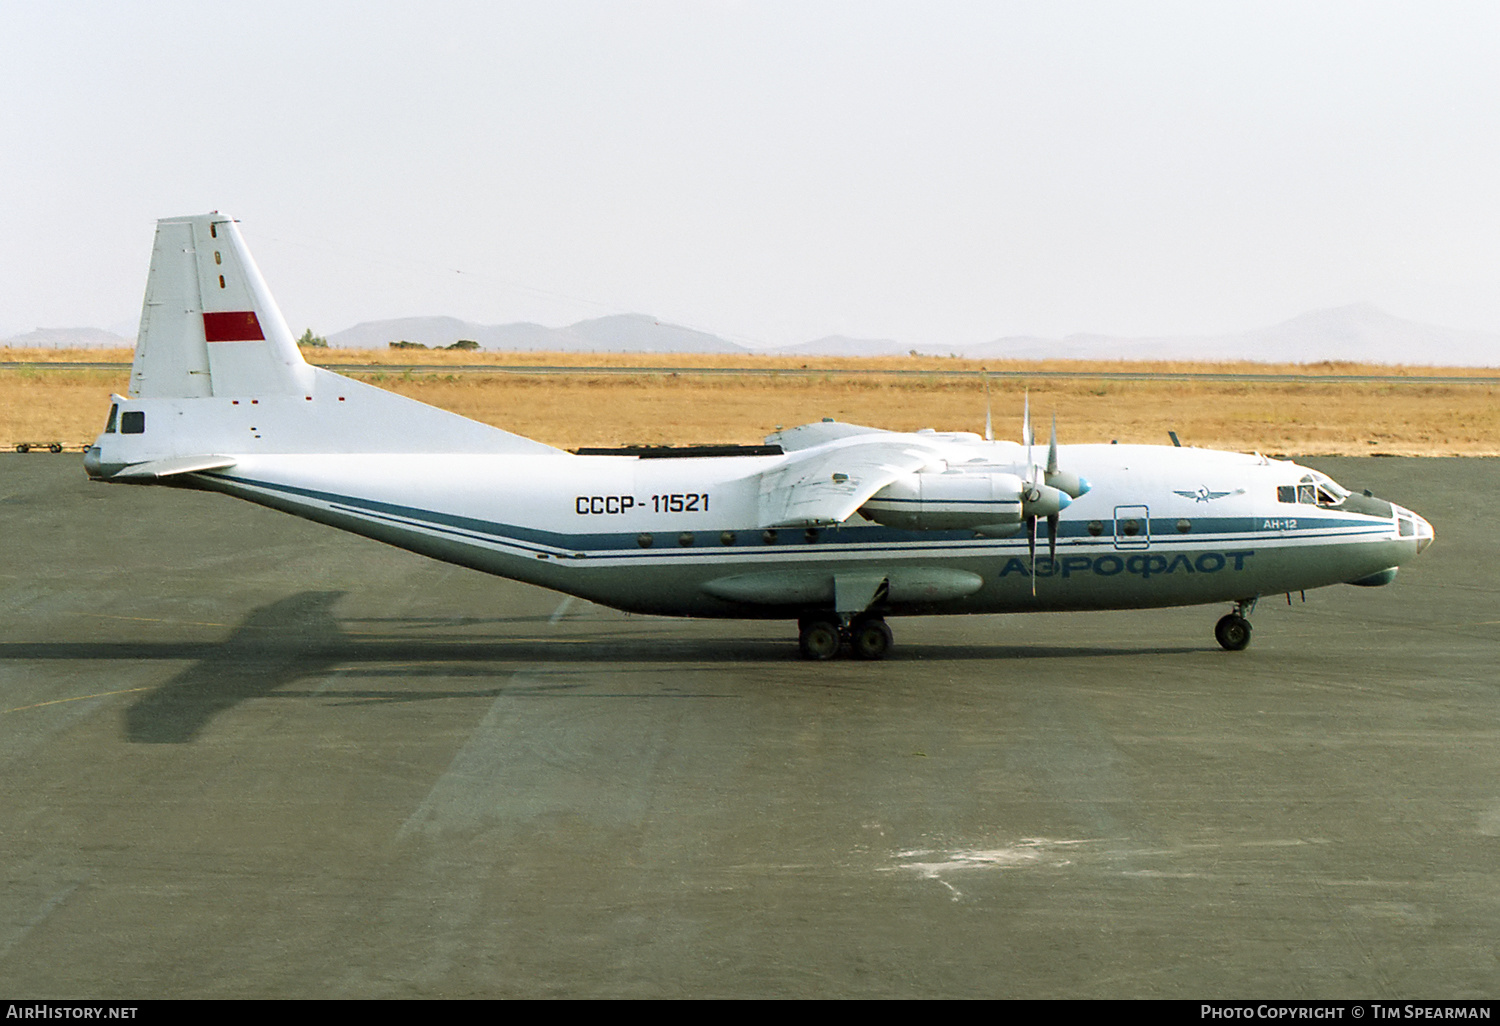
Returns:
(822, 637)
(1233, 630)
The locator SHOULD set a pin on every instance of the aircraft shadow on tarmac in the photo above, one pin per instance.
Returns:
(299, 638)
(275, 645)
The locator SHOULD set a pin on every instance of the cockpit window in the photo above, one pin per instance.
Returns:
(114, 416)
(1313, 490)
(133, 422)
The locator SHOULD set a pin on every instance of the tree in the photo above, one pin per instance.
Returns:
(311, 341)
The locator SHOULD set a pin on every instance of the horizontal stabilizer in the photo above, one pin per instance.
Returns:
(155, 469)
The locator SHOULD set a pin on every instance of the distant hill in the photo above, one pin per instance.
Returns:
(840, 345)
(1360, 333)
(640, 333)
(69, 338)
(621, 333)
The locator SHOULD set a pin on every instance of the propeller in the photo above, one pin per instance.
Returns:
(1047, 498)
(1033, 493)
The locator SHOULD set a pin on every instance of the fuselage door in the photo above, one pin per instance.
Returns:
(1132, 527)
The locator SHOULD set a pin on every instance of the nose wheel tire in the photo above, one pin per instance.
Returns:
(1233, 632)
(819, 639)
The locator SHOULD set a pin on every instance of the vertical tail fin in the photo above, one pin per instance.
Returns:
(218, 377)
(209, 326)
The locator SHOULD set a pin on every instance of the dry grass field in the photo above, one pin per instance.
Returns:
(1402, 416)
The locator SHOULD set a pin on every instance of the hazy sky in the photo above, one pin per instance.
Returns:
(772, 172)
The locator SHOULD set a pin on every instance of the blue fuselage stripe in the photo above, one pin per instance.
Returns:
(1212, 531)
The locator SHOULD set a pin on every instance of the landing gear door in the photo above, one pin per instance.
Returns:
(1132, 527)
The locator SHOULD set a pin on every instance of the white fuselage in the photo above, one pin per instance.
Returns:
(1160, 527)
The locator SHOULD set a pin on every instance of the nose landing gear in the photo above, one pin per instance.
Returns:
(1233, 630)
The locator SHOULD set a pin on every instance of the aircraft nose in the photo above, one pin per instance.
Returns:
(1412, 525)
(1425, 533)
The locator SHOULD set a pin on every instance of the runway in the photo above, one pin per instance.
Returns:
(247, 756)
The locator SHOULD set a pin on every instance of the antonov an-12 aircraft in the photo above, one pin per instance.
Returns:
(833, 525)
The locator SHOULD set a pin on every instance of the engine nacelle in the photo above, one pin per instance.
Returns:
(987, 503)
(1072, 484)
(1044, 501)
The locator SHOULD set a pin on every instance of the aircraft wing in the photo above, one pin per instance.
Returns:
(826, 484)
(808, 436)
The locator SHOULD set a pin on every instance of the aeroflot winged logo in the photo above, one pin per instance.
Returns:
(1204, 495)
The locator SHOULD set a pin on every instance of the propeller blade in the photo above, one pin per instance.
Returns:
(1031, 550)
(1026, 433)
(1071, 484)
(989, 431)
(1052, 537)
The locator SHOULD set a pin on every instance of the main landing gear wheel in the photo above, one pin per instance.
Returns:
(870, 639)
(1233, 632)
(819, 639)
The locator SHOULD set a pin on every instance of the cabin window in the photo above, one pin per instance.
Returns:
(133, 422)
(1286, 493)
(114, 417)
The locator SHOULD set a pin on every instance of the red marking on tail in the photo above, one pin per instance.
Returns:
(238, 326)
